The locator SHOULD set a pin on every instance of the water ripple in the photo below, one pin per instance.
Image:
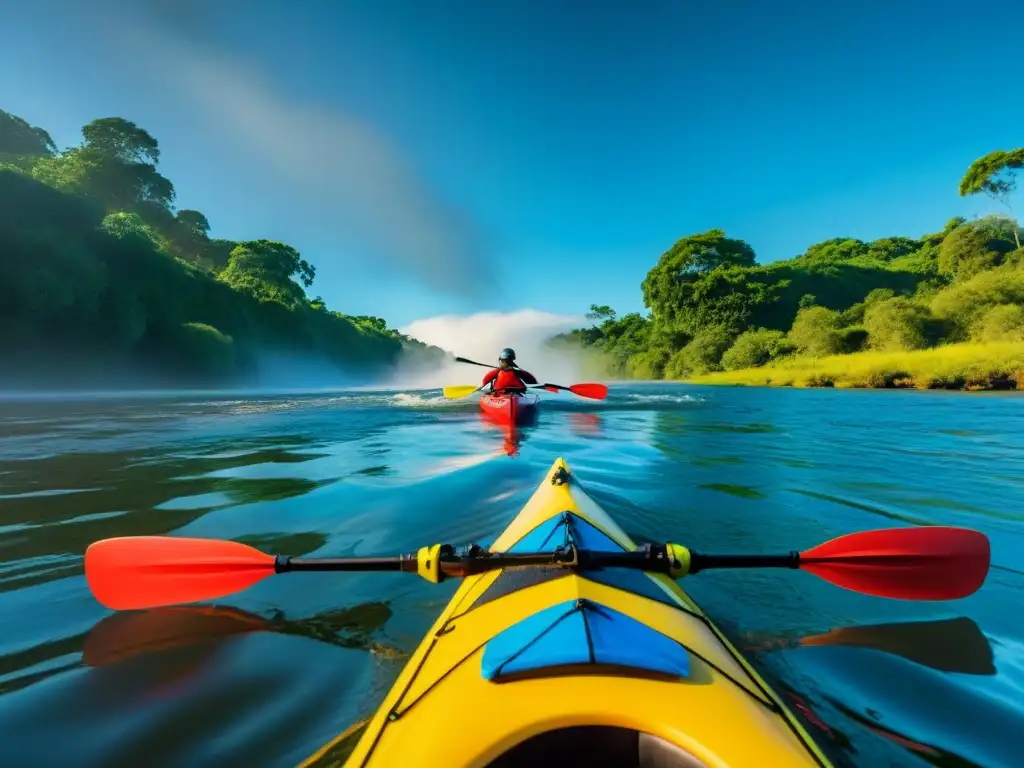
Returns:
(270, 674)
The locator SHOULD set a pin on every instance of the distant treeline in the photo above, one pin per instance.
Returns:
(713, 308)
(98, 269)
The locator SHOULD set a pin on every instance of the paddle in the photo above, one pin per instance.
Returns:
(948, 645)
(907, 563)
(454, 393)
(472, 362)
(592, 391)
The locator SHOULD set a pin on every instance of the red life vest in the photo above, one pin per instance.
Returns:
(509, 378)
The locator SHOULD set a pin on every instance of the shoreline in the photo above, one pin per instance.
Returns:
(964, 367)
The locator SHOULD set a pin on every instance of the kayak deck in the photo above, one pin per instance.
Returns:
(607, 667)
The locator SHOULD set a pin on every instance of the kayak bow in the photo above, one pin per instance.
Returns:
(504, 408)
(543, 665)
(565, 642)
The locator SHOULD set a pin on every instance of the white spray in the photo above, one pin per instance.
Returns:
(483, 335)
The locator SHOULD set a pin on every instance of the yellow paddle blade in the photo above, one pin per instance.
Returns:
(455, 393)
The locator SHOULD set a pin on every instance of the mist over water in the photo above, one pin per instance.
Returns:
(483, 335)
(272, 370)
(479, 337)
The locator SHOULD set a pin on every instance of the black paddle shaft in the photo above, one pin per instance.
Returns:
(283, 564)
(699, 562)
(474, 362)
(652, 557)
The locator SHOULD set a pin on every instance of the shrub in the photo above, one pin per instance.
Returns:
(854, 338)
(755, 348)
(816, 332)
(897, 323)
(980, 245)
(702, 355)
(1004, 322)
(961, 305)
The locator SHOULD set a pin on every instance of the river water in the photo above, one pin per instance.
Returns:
(279, 669)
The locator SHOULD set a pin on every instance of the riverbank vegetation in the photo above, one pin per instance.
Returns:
(100, 274)
(971, 366)
(945, 309)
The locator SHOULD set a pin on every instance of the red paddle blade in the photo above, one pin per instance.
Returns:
(593, 391)
(150, 571)
(931, 563)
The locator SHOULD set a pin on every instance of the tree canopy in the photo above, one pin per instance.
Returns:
(19, 140)
(121, 140)
(265, 268)
(995, 175)
(600, 313)
(670, 282)
(195, 220)
(98, 269)
(712, 306)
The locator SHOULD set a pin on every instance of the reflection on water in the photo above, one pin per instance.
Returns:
(586, 424)
(269, 675)
(947, 645)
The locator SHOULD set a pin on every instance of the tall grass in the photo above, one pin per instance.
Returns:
(997, 365)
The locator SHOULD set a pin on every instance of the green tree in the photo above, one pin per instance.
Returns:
(666, 285)
(994, 174)
(953, 223)
(756, 348)
(897, 323)
(888, 249)
(67, 172)
(265, 268)
(600, 313)
(702, 355)
(816, 331)
(118, 186)
(726, 297)
(122, 140)
(186, 233)
(808, 300)
(19, 140)
(1003, 322)
(648, 364)
(94, 270)
(194, 220)
(116, 165)
(836, 250)
(217, 252)
(961, 305)
(975, 247)
(124, 225)
(50, 277)
(377, 323)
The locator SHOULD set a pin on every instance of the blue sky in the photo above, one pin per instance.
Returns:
(461, 157)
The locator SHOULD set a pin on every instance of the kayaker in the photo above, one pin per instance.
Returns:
(508, 377)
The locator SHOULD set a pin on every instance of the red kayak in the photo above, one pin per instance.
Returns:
(510, 409)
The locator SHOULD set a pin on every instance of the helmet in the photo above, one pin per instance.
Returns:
(508, 355)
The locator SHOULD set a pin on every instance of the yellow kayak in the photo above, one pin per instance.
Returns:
(528, 666)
